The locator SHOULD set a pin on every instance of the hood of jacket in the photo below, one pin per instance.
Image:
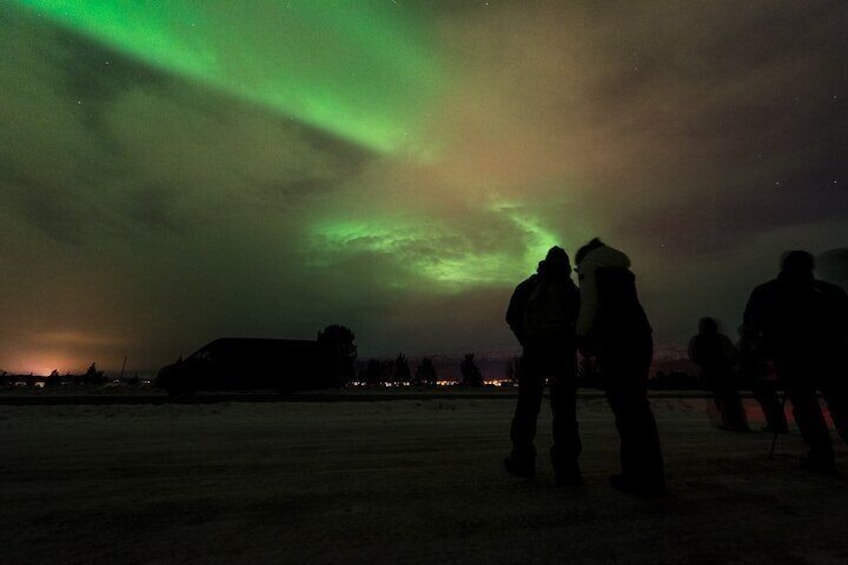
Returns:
(604, 256)
(599, 258)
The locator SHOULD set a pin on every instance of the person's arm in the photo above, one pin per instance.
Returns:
(516, 308)
(754, 321)
(733, 351)
(751, 316)
(693, 351)
(584, 330)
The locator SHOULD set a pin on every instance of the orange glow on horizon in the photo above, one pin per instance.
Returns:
(43, 363)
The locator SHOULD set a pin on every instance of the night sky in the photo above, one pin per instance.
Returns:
(179, 170)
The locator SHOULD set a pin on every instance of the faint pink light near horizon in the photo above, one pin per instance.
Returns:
(42, 364)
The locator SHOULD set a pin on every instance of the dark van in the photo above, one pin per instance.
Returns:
(236, 363)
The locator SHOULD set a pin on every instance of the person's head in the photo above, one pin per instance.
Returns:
(557, 261)
(797, 265)
(707, 325)
(583, 251)
(540, 268)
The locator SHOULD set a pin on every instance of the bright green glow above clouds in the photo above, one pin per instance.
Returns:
(437, 254)
(365, 71)
(362, 70)
(538, 239)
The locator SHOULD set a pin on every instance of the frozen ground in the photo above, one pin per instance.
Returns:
(392, 481)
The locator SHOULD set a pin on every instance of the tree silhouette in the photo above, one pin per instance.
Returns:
(401, 369)
(93, 377)
(425, 374)
(471, 375)
(337, 346)
(376, 372)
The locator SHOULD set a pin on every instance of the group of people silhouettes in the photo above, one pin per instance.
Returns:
(794, 336)
(552, 320)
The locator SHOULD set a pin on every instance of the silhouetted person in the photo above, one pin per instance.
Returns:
(542, 313)
(803, 324)
(614, 329)
(716, 355)
(757, 371)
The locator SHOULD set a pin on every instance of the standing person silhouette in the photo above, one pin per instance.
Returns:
(717, 356)
(613, 328)
(802, 323)
(542, 313)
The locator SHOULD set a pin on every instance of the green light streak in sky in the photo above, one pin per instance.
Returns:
(442, 258)
(363, 70)
(538, 238)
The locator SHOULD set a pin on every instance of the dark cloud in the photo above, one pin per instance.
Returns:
(96, 76)
(702, 138)
(124, 143)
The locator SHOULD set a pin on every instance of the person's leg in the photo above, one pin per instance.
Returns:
(733, 412)
(736, 412)
(625, 378)
(522, 460)
(835, 391)
(809, 418)
(765, 392)
(566, 447)
(640, 451)
(721, 408)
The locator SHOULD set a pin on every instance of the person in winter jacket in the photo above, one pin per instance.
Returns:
(717, 357)
(802, 324)
(612, 327)
(542, 313)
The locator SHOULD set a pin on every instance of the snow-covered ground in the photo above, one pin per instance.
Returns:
(393, 481)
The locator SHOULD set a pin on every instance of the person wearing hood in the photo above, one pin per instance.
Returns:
(542, 313)
(802, 324)
(613, 329)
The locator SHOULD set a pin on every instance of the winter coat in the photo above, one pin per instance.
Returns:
(517, 305)
(543, 310)
(610, 311)
(798, 319)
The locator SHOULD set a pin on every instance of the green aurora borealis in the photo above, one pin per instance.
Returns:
(178, 170)
(361, 70)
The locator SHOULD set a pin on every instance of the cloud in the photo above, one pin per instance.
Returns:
(646, 115)
(101, 140)
(164, 210)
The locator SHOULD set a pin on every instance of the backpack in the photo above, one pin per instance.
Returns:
(619, 312)
(551, 309)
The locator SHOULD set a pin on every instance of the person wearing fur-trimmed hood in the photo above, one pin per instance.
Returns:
(613, 328)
